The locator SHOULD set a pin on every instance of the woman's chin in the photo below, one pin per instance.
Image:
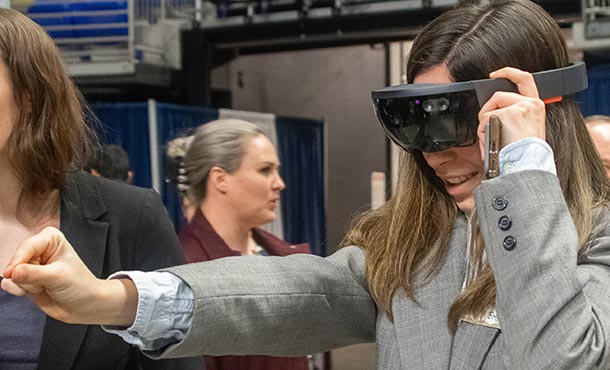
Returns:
(465, 204)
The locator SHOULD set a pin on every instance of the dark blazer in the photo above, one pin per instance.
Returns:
(201, 243)
(112, 227)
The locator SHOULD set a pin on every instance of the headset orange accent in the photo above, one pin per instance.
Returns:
(556, 99)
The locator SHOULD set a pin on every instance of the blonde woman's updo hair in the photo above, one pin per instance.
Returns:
(175, 171)
(218, 143)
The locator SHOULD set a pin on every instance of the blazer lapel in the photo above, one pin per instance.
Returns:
(422, 331)
(81, 208)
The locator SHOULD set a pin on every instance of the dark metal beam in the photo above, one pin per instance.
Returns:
(362, 23)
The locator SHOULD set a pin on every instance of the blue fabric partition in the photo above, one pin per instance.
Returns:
(300, 148)
(596, 98)
(126, 124)
(301, 152)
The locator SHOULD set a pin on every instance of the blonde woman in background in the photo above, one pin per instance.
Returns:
(228, 176)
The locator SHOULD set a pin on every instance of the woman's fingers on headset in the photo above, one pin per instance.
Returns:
(522, 115)
(525, 116)
(524, 80)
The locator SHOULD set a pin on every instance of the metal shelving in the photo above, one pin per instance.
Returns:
(94, 37)
(593, 32)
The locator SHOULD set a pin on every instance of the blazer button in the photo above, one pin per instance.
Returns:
(499, 203)
(504, 223)
(509, 243)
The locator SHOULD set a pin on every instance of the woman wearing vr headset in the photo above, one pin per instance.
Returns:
(455, 271)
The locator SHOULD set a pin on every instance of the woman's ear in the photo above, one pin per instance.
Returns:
(218, 179)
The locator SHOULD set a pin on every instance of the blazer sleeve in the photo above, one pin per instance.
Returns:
(553, 305)
(157, 247)
(279, 306)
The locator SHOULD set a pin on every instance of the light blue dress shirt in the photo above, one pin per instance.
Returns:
(165, 310)
(165, 302)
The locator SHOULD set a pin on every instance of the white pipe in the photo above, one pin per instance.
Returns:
(153, 140)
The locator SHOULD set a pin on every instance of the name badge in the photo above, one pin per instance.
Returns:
(490, 320)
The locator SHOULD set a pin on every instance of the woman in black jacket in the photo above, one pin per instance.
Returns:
(43, 140)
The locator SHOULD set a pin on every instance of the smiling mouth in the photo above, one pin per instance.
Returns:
(458, 180)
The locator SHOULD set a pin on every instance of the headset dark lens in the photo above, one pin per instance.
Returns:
(430, 123)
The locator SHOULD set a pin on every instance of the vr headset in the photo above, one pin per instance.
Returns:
(435, 117)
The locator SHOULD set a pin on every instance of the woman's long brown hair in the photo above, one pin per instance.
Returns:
(49, 137)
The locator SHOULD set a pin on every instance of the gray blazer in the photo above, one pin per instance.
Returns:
(553, 304)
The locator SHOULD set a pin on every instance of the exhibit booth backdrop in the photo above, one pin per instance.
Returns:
(144, 129)
(596, 98)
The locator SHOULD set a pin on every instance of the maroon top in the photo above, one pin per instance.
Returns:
(201, 243)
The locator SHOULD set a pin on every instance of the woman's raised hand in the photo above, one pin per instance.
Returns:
(47, 269)
(523, 114)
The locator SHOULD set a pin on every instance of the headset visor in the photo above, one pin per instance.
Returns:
(435, 117)
(430, 123)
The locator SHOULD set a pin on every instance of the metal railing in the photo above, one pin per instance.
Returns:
(596, 18)
(94, 37)
(110, 37)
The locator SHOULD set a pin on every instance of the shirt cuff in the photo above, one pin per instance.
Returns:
(164, 313)
(531, 153)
